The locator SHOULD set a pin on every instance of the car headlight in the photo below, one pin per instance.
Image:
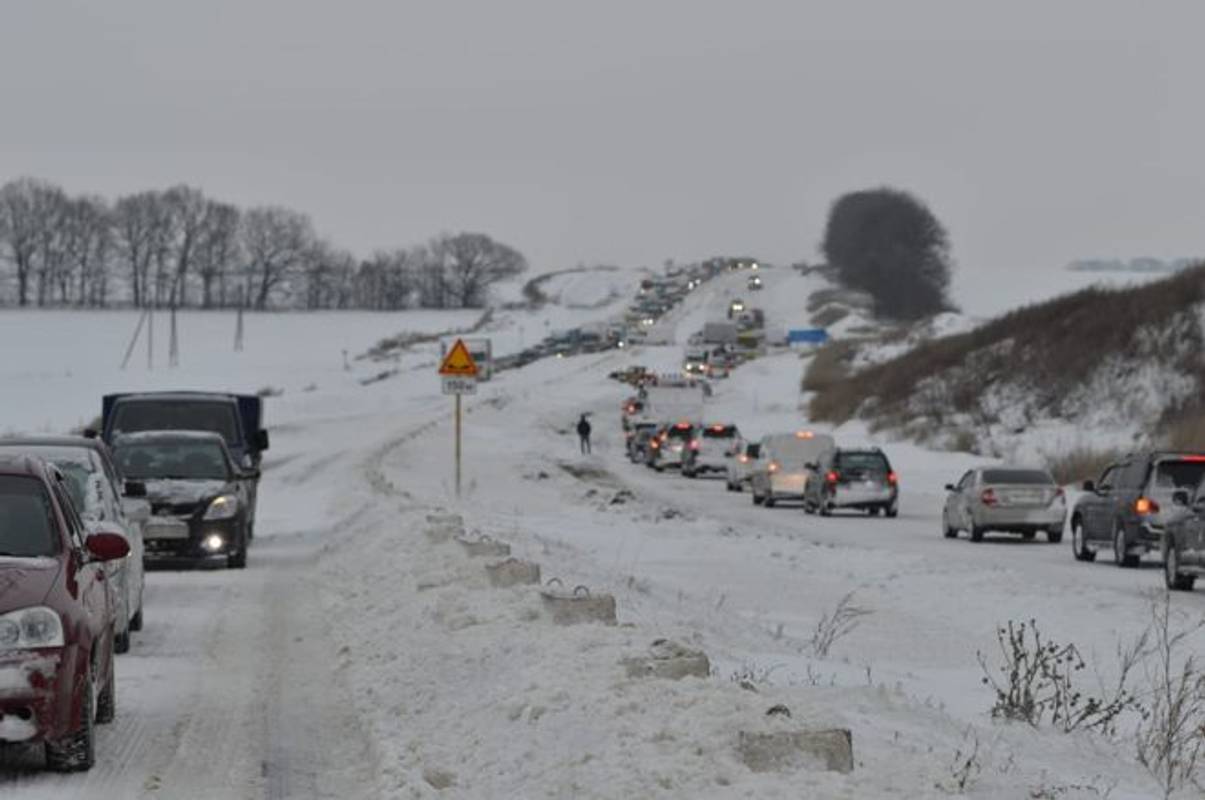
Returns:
(222, 507)
(30, 627)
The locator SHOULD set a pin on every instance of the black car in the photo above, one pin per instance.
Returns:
(638, 438)
(201, 501)
(1127, 509)
(1184, 540)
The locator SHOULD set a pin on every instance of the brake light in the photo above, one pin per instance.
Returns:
(772, 466)
(833, 476)
(694, 444)
(988, 497)
(1194, 459)
(804, 434)
(683, 426)
(1145, 505)
(744, 459)
(892, 478)
(656, 445)
(631, 409)
(718, 428)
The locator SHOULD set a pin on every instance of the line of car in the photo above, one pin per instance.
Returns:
(1148, 502)
(169, 478)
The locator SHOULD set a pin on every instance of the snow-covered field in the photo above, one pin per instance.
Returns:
(357, 657)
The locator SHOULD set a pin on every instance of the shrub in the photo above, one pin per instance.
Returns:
(1080, 463)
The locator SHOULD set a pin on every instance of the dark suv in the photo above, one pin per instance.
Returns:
(1184, 540)
(1129, 506)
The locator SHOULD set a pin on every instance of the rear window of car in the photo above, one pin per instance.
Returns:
(1034, 477)
(26, 530)
(719, 432)
(676, 432)
(753, 450)
(875, 462)
(1179, 474)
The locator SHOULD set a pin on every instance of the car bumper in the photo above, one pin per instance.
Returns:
(788, 486)
(1020, 519)
(173, 551)
(709, 464)
(36, 694)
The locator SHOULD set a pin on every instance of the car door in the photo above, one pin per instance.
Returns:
(91, 585)
(758, 479)
(114, 510)
(956, 501)
(1098, 506)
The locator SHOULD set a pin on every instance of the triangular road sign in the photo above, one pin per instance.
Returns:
(458, 362)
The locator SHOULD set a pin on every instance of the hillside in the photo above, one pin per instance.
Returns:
(1097, 368)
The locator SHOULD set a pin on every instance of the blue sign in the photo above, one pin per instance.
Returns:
(807, 336)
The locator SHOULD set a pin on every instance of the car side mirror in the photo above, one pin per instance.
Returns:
(134, 489)
(91, 433)
(1089, 486)
(106, 543)
(812, 465)
(1180, 497)
(252, 474)
(951, 488)
(261, 440)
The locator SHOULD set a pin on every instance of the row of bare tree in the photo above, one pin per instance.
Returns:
(178, 248)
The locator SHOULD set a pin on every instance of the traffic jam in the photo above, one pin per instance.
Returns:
(168, 480)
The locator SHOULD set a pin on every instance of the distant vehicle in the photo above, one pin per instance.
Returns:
(854, 478)
(237, 417)
(632, 407)
(637, 440)
(754, 283)
(667, 401)
(100, 496)
(1006, 499)
(479, 347)
(695, 363)
(1128, 507)
(735, 308)
(57, 616)
(740, 466)
(710, 449)
(781, 471)
(1184, 540)
(751, 319)
(200, 499)
(668, 447)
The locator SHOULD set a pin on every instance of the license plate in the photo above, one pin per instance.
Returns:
(166, 529)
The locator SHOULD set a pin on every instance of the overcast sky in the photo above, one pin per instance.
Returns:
(631, 131)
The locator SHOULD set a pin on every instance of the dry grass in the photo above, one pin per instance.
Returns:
(1186, 431)
(1080, 464)
(830, 367)
(1053, 346)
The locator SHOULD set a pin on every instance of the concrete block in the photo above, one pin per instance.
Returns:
(782, 751)
(578, 606)
(669, 660)
(513, 572)
(485, 546)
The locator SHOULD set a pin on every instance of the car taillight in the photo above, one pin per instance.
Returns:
(772, 466)
(833, 476)
(744, 459)
(694, 444)
(653, 443)
(988, 497)
(1145, 505)
(892, 478)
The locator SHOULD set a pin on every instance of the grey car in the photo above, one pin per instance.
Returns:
(1006, 499)
(1184, 540)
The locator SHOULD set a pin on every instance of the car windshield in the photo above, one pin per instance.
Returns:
(76, 464)
(1032, 477)
(25, 518)
(182, 460)
(135, 416)
(861, 462)
(1179, 474)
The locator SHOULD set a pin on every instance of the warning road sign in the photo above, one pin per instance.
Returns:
(458, 362)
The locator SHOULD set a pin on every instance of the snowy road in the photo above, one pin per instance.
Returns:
(228, 693)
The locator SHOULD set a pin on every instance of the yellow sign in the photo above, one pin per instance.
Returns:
(458, 362)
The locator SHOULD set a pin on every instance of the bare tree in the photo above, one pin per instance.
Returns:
(218, 250)
(26, 205)
(88, 237)
(472, 262)
(140, 230)
(188, 210)
(276, 242)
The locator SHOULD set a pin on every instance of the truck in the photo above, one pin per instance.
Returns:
(673, 403)
(720, 332)
(479, 347)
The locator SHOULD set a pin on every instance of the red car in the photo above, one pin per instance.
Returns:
(57, 616)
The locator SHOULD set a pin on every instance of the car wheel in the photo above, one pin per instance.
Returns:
(757, 499)
(769, 500)
(659, 468)
(106, 699)
(121, 641)
(1079, 545)
(947, 531)
(1028, 535)
(976, 533)
(136, 621)
(76, 752)
(1054, 535)
(892, 511)
(1176, 581)
(1120, 556)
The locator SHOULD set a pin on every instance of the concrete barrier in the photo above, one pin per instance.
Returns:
(830, 749)
(670, 660)
(578, 606)
(513, 572)
(484, 546)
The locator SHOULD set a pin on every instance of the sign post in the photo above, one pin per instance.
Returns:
(459, 374)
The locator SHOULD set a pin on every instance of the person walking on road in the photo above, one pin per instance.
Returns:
(583, 433)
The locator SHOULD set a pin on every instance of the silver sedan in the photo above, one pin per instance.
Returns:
(1005, 499)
